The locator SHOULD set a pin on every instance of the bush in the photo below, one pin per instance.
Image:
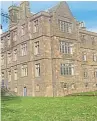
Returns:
(6, 92)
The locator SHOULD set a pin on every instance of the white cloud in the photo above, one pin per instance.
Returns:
(93, 29)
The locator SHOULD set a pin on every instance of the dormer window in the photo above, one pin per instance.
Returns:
(83, 40)
(23, 29)
(65, 26)
(8, 39)
(35, 26)
(14, 35)
(2, 43)
(93, 40)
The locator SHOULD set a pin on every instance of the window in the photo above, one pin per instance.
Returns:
(86, 84)
(82, 36)
(85, 73)
(64, 85)
(2, 75)
(15, 90)
(84, 57)
(24, 49)
(2, 59)
(93, 40)
(35, 26)
(73, 86)
(36, 48)
(65, 26)
(15, 74)
(8, 39)
(96, 85)
(29, 29)
(37, 88)
(9, 76)
(24, 70)
(95, 73)
(66, 47)
(29, 26)
(94, 57)
(83, 40)
(14, 35)
(9, 57)
(37, 70)
(15, 55)
(23, 29)
(2, 43)
(67, 69)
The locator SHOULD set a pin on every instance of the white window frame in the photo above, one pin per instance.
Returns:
(23, 49)
(15, 90)
(14, 35)
(23, 29)
(85, 73)
(8, 40)
(84, 57)
(2, 43)
(2, 76)
(36, 48)
(37, 70)
(9, 57)
(2, 59)
(15, 74)
(24, 70)
(67, 69)
(65, 26)
(66, 47)
(95, 57)
(15, 55)
(95, 73)
(35, 28)
(9, 76)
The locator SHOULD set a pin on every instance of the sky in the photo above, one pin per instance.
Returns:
(82, 10)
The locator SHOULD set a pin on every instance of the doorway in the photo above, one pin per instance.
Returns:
(25, 91)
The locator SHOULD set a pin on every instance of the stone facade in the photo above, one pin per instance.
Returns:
(43, 27)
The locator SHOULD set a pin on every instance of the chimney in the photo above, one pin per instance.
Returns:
(13, 14)
(24, 10)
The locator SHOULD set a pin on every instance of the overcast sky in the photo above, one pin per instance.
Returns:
(81, 10)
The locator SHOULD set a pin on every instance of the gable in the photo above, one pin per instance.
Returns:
(62, 9)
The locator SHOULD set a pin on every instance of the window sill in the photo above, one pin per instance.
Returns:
(37, 54)
(66, 32)
(23, 35)
(68, 75)
(23, 55)
(24, 76)
(14, 60)
(15, 79)
(37, 76)
(35, 32)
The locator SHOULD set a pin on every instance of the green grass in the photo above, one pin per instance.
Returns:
(86, 93)
(72, 108)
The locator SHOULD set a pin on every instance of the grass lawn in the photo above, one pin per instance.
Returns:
(69, 108)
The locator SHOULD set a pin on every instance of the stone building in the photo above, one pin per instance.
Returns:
(49, 53)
